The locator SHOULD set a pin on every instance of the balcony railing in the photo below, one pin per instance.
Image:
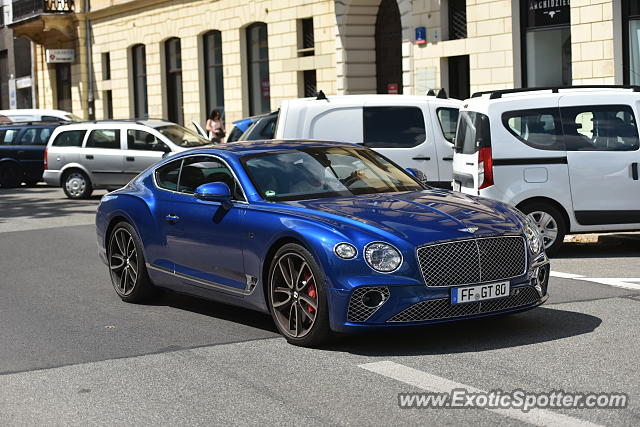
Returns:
(27, 8)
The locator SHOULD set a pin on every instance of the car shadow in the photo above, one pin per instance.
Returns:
(473, 335)
(625, 245)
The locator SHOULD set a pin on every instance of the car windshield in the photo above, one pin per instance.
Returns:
(312, 173)
(182, 137)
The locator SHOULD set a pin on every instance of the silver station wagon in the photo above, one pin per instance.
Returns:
(108, 154)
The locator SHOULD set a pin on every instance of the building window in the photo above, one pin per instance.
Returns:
(139, 63)
(459, 83)
(63, 87)
(173, 66)
(213, 75)
(4, 80)
(308, 86)
(306, 42)
(258, 72)
(631, 41)
(546, 42)
(107, 96)
(457, 19)
(106, 66)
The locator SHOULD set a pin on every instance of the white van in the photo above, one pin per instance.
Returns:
(37, 115)
(414, 131)
(566, 157)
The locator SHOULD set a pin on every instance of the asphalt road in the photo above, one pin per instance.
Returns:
(72, 353)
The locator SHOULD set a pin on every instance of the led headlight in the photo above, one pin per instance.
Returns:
(345, 251)
(382, 257)
(534, 238)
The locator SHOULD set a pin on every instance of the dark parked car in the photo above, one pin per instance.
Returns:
(264, 127)
(22, 147)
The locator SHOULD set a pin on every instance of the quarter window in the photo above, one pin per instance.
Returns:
(35, 136)
(167, 176)
(538, 128)
(600, 128)
(393, 127)
(70, 138)
(448, 118)
(104, 138)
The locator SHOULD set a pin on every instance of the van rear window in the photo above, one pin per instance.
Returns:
(473, 132)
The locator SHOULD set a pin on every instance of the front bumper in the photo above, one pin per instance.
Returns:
(418, 304)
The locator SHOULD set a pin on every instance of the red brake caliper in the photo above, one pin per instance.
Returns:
(311, 292)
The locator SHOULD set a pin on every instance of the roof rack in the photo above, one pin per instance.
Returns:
(496, 94)
(137, 120)
(36, 123)
(441, 94)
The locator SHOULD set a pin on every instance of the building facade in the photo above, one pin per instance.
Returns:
(179, 60)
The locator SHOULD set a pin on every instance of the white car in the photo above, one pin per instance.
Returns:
(414, 131)
(108, 154)
(566, 157)
(37, 115)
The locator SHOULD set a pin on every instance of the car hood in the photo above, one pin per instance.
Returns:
(422, 216)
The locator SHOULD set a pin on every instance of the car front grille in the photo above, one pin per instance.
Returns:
(443, 309)
(358, 311)
(470, 261)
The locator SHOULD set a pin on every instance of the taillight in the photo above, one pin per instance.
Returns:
(46, 163)
(485, 168)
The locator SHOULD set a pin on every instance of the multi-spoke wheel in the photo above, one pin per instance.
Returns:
(550, 223)
(76, 185)
(296, 296)
(126, 264)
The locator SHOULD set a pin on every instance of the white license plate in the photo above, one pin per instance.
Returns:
(456, 185)
(479, 292)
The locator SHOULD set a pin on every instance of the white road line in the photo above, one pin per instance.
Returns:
(618, 282)
(433, 383)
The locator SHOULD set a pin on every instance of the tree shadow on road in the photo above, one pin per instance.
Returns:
(605, 246)
(16, 205)
(473, 335)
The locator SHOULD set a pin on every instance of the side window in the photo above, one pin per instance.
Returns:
(141, 140)
(7, 136)
(538, 128)
(104, 138)
(200, 170)
(448, 118)
(167, 175)
(35, 136)
(70, 138)
(393, 127)
(600, 128)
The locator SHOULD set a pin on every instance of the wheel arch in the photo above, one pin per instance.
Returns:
(550, 201)
(70, 168)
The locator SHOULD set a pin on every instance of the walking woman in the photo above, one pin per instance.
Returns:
(215, 127)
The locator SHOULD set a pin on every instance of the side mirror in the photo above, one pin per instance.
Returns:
(213, 192)
(418, 174)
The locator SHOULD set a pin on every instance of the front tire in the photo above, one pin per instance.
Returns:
(77, 185)
(127, 267)
(297, 297)
(550, 222)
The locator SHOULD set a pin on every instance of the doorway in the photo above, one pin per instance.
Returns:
(388, 48)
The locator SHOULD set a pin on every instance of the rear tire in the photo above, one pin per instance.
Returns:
(76, 185)
(551, 224)
(9, 176)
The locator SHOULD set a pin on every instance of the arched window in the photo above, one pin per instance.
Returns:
(173, 69)
(258, 69)
(139, 63)
(213, 79)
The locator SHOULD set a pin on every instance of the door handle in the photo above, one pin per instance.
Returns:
(421, 158)
(172, 219)
(89, 156)
(131, 159)
(21, 152)
(634, 171)
(448, 159)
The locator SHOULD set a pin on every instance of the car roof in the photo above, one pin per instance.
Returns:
(30, 123)
(152, 123)
(243, 148)
(378, 98)
(41, 111)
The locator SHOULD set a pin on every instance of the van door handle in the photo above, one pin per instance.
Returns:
(89, 156)
(172, 219)
(421, 158)
(448, 159)
(634, 171)
(131, 159)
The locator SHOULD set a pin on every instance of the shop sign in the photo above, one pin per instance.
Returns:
(544, 13)
(56, 56)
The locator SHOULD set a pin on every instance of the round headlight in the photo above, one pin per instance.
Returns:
(345, 250)
(534, 238)
(382, 257)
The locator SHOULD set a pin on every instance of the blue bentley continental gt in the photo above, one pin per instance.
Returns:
(324, 236)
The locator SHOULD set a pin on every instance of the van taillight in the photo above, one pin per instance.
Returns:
(485, 168)
(46, 163)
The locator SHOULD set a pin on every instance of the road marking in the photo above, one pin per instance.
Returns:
(621, 282)
(433, 383)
